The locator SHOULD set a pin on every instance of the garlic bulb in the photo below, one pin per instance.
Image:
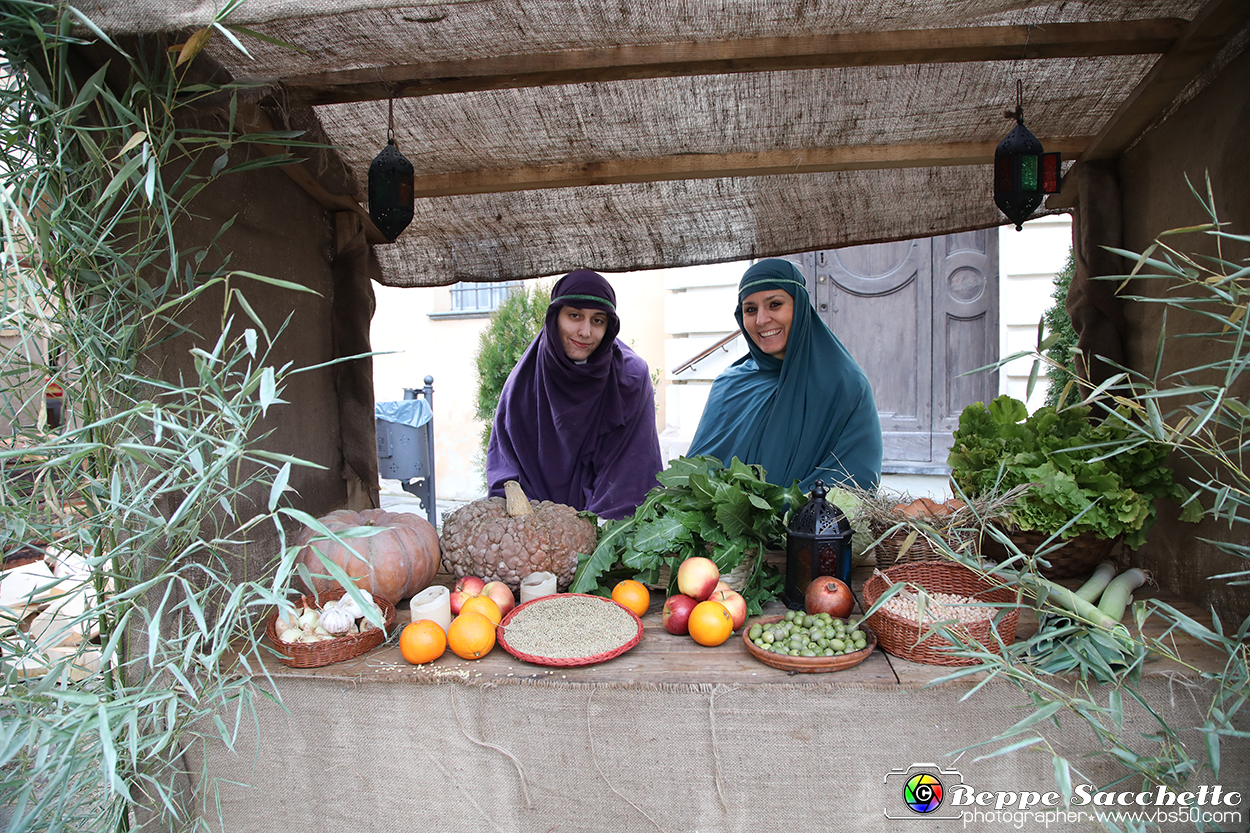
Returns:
(370, 604)
(336, 620)
(349, 606)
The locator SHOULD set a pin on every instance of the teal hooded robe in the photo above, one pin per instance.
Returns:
(810, 416)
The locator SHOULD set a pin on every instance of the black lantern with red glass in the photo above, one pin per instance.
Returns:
(818, 543)
(1023, 173)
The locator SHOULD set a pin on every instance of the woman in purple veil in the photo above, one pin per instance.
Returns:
(576, 419)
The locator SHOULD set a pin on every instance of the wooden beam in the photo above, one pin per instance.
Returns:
(581, 66)
(252, 119)
(1211, 29)
(715, 165)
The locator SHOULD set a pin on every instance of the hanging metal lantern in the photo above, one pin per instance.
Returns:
(1023, 174)
(818, 543)
(390, 186)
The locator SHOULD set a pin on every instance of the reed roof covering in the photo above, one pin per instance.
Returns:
(656, 133)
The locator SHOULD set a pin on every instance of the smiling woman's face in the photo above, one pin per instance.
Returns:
(766, 316)
(581, 330)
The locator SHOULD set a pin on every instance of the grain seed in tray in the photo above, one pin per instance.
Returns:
(568, 629)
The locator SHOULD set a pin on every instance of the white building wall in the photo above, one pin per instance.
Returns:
(700, 312)
(669, 316)
(417, 335)
(1028, 261)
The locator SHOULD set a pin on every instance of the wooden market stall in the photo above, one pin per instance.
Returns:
(669, 736)
(680, 133)
(552, 135)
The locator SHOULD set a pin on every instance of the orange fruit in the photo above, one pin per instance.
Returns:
(633, 595)
(710, 623)
(422, 641)
(484, 605)
(471, 635)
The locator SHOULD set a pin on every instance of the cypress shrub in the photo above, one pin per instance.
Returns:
(513, 325)
(1062, 368)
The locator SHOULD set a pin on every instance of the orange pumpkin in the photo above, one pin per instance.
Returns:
(396, 563)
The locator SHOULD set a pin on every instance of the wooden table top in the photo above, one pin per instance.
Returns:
(661, 658)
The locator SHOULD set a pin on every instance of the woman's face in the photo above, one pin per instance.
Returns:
(766, 316)
(581, 330)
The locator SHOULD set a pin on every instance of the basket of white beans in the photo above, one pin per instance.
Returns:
(939, 596)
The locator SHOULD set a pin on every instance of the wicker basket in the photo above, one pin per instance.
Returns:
(901, 637)
(895, 548)
(1075, 557)
(735, 578)
(317, 654)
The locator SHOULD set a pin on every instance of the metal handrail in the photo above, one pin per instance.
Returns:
(720, 345)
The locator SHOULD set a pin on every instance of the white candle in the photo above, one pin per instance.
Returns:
(433, 603)
(537, 584)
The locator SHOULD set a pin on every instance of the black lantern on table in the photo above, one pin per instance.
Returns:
(818, 543)
(390, 186)
(1023, 174)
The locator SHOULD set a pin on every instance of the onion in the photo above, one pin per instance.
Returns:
(309, 618)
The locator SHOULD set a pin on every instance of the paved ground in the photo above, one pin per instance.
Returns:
(395, 499)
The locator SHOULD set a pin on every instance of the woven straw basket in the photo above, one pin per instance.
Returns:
(896, 548)
(1075, 557)
(902, 637)
(317, 654)
(735, 578)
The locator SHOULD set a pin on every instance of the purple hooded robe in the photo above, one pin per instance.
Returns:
(578, 434)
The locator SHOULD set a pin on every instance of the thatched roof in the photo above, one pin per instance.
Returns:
(549, 135)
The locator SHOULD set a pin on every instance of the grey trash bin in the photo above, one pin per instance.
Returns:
(405, 435)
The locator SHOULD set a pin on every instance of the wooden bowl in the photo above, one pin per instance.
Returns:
(807, 665)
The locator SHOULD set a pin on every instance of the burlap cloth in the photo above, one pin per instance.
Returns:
(450, 755)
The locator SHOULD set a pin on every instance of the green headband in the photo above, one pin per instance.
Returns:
(563, 298)
(769, 279)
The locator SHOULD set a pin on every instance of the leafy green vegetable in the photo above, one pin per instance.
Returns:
(1102, 472)
(701, 507)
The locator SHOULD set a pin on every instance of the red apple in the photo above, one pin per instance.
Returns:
(734, 603)
(462, 590)
(829, 595)
(697, 577)
(502, 594)
(677, 613)
(722, 585)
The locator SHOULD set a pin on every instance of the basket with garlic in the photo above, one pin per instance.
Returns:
(328, 628)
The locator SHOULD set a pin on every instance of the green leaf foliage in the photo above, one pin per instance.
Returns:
(1060, 344)
(1102, 474)
(144, 481)
(701, 507)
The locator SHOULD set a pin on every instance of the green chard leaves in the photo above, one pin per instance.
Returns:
(701, 507)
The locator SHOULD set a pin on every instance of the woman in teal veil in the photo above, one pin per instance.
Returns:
(798, 404)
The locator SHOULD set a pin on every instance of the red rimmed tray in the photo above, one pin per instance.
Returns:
(807, 665)
(567, 662)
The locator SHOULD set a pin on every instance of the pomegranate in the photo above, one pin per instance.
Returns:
(827, 594)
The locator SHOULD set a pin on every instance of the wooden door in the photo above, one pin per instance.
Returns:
(965, 327)
(915, 314)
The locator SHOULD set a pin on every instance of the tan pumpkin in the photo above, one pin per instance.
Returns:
(396, 563)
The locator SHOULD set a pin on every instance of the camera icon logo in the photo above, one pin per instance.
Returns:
(923, 789)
